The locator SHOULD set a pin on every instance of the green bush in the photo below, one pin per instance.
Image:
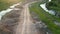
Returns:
(53, 4)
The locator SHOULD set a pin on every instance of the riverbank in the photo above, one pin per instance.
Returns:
(47, 18)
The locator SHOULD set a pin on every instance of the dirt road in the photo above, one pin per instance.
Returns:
(26, 25)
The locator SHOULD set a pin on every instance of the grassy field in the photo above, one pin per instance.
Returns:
(4, 4)
(47, 18)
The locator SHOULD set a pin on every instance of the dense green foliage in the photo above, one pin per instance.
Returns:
(54, 5)
(46, 17)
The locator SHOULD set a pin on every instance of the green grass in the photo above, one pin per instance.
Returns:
(47, 18)
(4, 4)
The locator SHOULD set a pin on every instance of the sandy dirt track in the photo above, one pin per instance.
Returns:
(26, 25)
